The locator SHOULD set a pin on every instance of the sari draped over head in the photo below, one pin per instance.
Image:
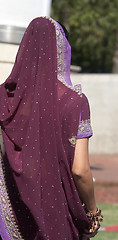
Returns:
(41, 116)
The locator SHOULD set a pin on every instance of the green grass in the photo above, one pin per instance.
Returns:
(110, 213)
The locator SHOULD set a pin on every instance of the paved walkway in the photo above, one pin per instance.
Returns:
(105, 171)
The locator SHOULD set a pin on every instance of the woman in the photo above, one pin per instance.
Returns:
(45, 125)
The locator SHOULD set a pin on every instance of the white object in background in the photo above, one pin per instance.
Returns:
(94, 179)
(20, 13)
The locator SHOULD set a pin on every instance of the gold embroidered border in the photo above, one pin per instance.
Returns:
(60, 60)
(61, 48)
(6, 208)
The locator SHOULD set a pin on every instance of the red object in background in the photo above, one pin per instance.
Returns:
(110, 228)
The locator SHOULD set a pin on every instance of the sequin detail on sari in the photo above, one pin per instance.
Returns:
(6, 208)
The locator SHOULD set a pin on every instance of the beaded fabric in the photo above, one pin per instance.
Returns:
(39, 113)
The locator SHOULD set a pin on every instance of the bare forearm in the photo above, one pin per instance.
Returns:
(82, 174)
(84, 184)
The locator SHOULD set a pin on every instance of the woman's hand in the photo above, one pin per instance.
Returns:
(94, 219)
(92, 231)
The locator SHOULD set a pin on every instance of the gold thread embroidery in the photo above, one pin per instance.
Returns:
(6, 208)
(84, 127)
(1, 183)
(61, 48)
(72, 141)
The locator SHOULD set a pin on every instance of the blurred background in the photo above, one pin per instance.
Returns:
(93, 28)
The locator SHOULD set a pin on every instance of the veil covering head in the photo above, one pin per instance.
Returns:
(39, 113)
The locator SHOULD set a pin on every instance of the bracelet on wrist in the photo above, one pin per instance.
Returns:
(93, 217)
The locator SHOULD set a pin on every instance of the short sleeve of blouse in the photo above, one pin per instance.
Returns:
(84, 128)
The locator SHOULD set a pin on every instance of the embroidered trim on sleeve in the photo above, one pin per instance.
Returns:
(85, 129)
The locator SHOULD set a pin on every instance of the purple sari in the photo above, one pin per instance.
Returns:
(41, 116)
